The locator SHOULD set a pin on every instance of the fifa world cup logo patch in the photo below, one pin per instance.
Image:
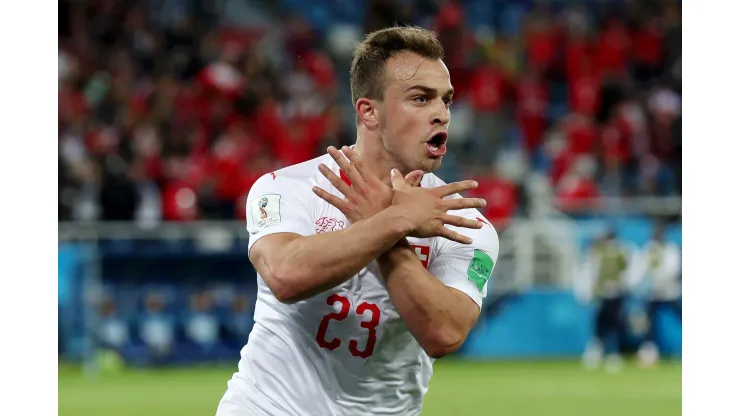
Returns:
(262, 206)
(265, 210)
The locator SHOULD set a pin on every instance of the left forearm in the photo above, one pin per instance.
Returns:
(430, 310)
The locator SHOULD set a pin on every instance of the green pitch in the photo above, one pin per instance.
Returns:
(457, 388)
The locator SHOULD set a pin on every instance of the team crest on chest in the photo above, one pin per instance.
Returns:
(328, 224)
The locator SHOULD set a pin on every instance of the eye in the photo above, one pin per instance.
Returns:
(421, 98)
(447, 101)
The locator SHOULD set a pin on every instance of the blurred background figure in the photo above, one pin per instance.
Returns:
(661, 274)
(202, 325)
(606, 268)
(157, 328)
(240, 319)
(113, 330)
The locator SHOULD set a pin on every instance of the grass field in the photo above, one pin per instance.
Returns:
(457, 388)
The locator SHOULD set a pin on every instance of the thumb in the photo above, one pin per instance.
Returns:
(397, 180)
(414, 178)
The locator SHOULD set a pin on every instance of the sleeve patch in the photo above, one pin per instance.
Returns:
(480, 269)
(265, 210)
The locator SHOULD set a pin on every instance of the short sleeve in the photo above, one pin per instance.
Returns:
(467, 267)
(278, 205)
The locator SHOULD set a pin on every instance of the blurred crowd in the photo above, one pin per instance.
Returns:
(171, 109)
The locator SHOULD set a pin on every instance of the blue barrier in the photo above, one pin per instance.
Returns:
(538, 323)
(552, 324)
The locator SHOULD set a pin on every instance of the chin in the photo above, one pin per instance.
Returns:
(431, 164)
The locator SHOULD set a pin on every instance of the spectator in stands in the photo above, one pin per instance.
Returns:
(490, 89)
(577, 192)
(164, 107)
(119, 194)
(531, 108)
(501, 197)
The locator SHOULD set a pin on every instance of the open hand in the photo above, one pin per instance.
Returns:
(426, 209)
(367, 195)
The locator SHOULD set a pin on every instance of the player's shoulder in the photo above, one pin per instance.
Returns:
(301, 175)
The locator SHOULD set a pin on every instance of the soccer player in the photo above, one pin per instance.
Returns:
(607, 263)
(369, 266)
(661, 274)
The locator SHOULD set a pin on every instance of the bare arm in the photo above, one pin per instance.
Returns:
(439, 317)
(297, 267)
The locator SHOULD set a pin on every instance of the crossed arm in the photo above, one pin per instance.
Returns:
(298, 267)
(438, 316)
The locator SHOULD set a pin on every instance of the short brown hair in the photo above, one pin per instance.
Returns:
(367, 73)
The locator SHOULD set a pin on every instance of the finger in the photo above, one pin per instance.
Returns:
(461, 222)
(463, 203)
(336, 181)
(334, 200)
(397, 180)
(414, 178)
(355, 160)
(454, 236)
(455, 188)
(345, 165)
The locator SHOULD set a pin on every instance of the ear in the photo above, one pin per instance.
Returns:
(367, 112)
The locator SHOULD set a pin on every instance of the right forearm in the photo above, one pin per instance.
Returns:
(313, 264)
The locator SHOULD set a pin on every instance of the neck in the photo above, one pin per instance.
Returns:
(374, 157)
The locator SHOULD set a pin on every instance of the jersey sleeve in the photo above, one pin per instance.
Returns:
(467, 267)
(278, 205)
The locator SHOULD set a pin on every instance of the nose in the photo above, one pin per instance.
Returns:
(441, 115)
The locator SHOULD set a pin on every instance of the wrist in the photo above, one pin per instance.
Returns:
(398, 221)
(397, 251)
(403, 243)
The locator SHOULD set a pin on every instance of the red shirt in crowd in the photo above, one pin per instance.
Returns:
(180, 191)
(501, 198)
(581, 134)
(542, 46)
(575, 192)
(300, 142)
(320, 67)
(584, 93)
(531, 110)
(179, 201)
(614, 47)
(227, 157)
(488, 87)
(616, 139)
(647, 44)
(579, 50)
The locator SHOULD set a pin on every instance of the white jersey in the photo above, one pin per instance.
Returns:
(661, 264)
(345, 351)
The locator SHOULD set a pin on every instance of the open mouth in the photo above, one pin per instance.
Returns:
(436, 145)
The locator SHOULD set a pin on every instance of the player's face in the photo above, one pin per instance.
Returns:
(415, 112)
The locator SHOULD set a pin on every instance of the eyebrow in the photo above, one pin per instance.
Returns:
(428, 90)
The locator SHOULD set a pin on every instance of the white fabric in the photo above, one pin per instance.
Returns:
(662, 275)
(283, 370)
